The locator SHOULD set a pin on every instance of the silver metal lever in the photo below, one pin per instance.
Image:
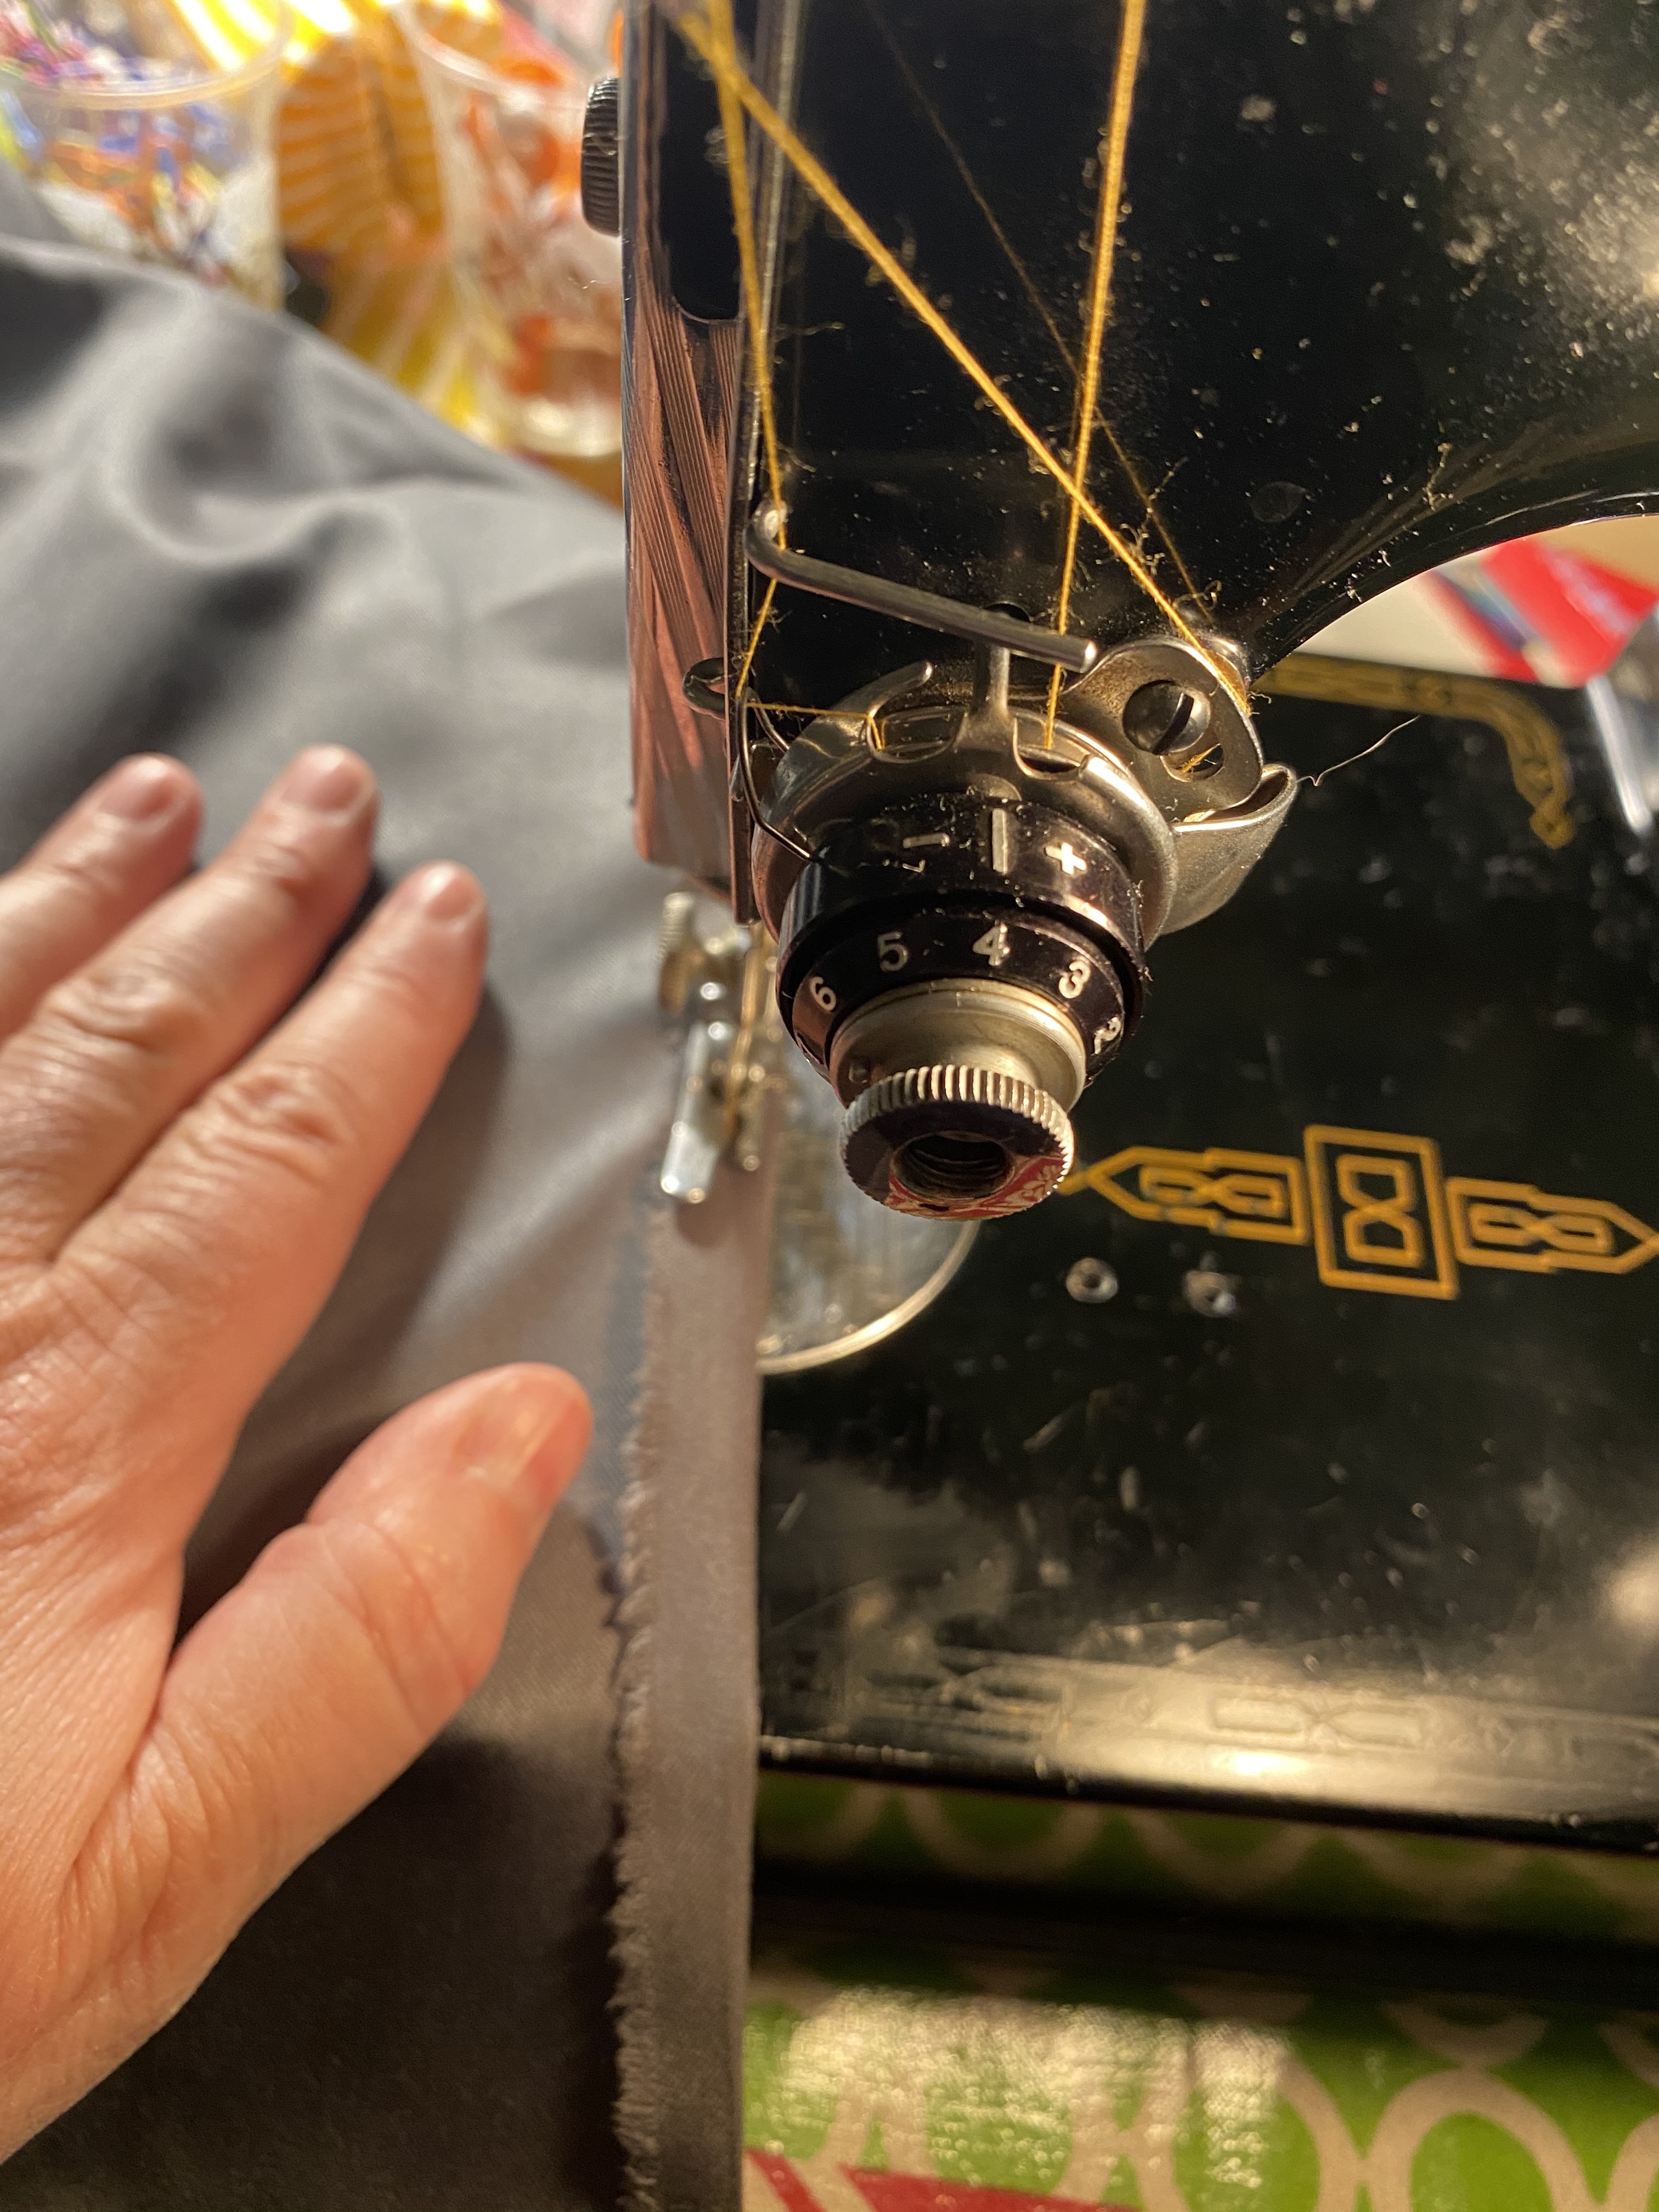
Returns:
(717, 979)
(1076, 655)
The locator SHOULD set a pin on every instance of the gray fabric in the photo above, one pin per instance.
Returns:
(688, 1761)
(221, 538)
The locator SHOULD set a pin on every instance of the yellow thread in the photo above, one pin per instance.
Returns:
(743, 222)
(918, 93)
(864, 716)
(1114, 146)
(724, 41)
(818, 180)
(979, 199)
(1148, 500)
(767, 598)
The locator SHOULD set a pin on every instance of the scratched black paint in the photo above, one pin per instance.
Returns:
(1386, 286)
(1420, 1542)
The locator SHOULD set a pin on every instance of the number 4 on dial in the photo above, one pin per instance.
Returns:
(994, 944)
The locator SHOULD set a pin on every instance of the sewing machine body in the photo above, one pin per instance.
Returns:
(1367, 288)
(1298, 1453)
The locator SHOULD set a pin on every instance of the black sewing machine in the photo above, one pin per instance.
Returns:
(1011, 392)
(1008, 392)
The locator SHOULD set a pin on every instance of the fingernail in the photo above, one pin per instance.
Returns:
(141, 789)
(505, 1442)
(443, 893)
(327, 779)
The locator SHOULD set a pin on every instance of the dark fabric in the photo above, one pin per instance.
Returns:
(220, 538)
(690, 1720)
(415, 2020)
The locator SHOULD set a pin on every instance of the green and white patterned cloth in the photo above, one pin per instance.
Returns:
(894, 2078)
(1279, 1867)
(936, 2082)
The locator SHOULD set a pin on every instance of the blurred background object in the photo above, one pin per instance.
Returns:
(539, 292)
(419, 170)
(1557, 609)
(148, 132)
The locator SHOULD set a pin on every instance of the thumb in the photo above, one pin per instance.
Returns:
(346, 1647)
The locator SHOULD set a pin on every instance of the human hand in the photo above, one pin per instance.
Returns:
(180, 1183)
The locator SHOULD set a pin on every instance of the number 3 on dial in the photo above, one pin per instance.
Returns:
(1073, 977)
(891, 950)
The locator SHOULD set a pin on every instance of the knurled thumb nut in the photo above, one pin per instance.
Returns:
(955, 1140)
(601, 164)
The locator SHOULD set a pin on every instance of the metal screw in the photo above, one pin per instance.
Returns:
(1091, 1282)
(701, 956)
(1209, 1293)
(1170, 720)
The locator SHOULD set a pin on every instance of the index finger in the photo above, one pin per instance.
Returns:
(203, 1271)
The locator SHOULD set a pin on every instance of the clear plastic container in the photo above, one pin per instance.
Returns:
(540, 293)
(142, 141)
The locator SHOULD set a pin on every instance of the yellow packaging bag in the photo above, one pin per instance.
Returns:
(474, 26)
(357, 172)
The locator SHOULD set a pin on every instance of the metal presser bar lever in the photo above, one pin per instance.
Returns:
(763, 543)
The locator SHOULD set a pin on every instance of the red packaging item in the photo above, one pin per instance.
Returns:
(1543, 615)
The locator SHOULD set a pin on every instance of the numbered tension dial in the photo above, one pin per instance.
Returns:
(960, 967)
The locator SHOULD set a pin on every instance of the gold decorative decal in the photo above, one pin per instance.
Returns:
(1514, 1224)
(1538, 765)
(1376, 1208)
(1379, 1213)
(1259, 1195)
